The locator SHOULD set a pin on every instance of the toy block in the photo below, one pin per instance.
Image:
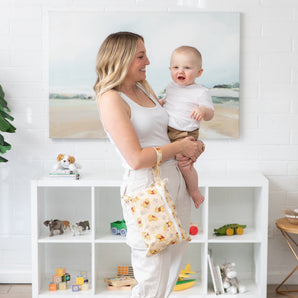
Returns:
(80, 280)
(67, 276)
(122, 270)
(85, 287)
(57, 279)
(60, 271)
(52, 287)
(83, 274)
(75, 288)
(125, 270)
(62, 286)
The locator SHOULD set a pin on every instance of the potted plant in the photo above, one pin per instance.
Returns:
(5, 125)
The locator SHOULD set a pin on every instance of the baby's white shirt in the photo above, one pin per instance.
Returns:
(180, 102)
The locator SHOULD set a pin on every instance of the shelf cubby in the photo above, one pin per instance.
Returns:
(231, 198)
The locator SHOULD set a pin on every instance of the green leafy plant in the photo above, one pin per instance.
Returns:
(5, 125)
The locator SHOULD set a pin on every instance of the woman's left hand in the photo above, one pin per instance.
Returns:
(186, 161)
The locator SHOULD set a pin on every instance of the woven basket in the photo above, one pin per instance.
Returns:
(292, 219)
(291, 215)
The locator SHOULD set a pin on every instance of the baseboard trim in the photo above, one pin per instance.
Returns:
(15, 277)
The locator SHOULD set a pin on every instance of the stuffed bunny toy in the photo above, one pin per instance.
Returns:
(230, 281)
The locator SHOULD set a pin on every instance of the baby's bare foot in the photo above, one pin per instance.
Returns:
(197, 198)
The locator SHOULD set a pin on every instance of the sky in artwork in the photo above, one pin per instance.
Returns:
(75, 37)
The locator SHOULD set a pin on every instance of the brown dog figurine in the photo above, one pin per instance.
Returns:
(53, 225)
(66, 224)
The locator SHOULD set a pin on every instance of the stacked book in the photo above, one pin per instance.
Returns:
(120, 283)
(215, 275)
(65, 173)
(123, 281)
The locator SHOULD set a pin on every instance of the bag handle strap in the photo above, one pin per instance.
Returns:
(158, 163)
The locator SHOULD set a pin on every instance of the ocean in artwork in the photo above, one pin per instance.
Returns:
(77, 116)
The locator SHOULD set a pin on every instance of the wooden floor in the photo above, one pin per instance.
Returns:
(272, 294)
(24, 291)
(15, 291)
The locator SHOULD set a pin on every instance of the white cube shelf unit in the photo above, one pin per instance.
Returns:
(229, 198)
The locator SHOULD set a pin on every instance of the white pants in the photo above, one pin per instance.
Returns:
(156, 275)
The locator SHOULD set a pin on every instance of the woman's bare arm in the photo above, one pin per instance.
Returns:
(115, 115)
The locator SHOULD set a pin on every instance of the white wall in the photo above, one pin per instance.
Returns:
(268, 115)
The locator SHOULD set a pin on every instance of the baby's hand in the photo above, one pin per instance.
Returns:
(198, 113)
(162, 101)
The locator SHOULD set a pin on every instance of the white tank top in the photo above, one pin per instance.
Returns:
(150, 124)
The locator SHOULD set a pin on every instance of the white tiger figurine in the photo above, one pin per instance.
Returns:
(76, 230)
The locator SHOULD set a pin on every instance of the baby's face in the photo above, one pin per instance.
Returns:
(184, 68)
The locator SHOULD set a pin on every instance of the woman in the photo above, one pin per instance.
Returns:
(135, 123)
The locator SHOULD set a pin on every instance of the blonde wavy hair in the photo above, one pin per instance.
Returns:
(113, 61)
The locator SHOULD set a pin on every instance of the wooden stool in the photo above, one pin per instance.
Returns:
(286, 227)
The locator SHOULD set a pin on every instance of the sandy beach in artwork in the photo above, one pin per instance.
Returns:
(225, 123)
(76, 118)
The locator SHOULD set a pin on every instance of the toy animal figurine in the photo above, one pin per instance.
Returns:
(229, 230)
(230, 281)
(84, 225)
(53, 225)
(76, 230)
(66, 224)
(66, 162)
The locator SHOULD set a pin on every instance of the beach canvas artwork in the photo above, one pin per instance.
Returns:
(74, 38)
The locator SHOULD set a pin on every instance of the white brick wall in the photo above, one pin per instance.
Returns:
(268, 125)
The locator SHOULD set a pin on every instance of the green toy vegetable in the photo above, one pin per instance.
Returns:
(229, 230)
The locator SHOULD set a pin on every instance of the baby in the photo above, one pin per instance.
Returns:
(187, 103)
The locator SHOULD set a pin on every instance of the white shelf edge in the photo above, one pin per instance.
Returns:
(64, 241)
(109, 238)
(251, 291)
(199, 238)
(114, 179)
(194, 291)
(65, 293)
(249, 236)
(67, 237)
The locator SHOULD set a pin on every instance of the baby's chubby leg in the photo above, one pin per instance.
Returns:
(191, 179)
